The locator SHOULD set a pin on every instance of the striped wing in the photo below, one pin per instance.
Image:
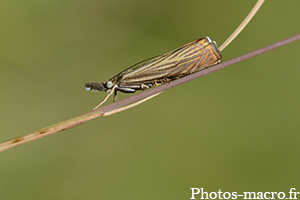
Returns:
(190, 58)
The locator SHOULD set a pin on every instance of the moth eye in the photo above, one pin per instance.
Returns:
(109, 84)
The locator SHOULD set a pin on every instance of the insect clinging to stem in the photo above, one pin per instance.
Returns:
(190, 58)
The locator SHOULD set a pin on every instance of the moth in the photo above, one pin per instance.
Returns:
(190, 58)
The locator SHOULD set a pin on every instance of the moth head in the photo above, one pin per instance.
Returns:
(95, 86)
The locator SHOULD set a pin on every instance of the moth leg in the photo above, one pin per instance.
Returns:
(102, 102)
(115, 95)
(143, 86)
(127, 89)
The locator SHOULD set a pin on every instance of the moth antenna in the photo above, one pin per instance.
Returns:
(242, 25)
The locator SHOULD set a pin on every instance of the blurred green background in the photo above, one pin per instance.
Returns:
(236, 129)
